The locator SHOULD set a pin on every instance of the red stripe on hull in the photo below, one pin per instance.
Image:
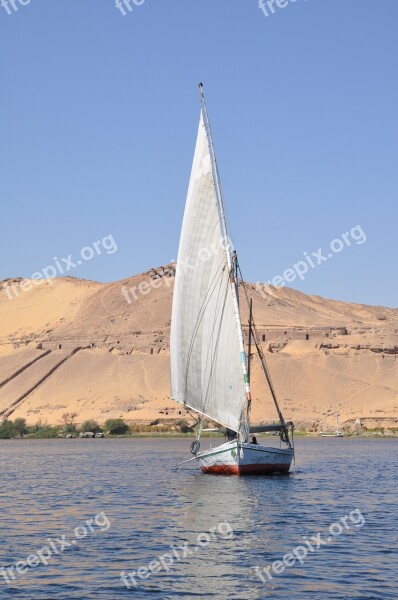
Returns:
(245, 469)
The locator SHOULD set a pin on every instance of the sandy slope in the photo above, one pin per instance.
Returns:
(349, 363)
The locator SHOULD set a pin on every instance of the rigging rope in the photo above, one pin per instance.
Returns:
(284, 433)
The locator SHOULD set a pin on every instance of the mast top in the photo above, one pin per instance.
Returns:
(202, 96)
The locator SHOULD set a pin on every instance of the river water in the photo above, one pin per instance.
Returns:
(89, 512)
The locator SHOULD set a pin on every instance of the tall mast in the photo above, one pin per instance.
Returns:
(216, 177)
(231, 262)
(249, 359)
(261, 355)
(265, 370)
(250, 338)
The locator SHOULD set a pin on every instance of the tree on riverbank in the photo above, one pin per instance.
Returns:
(7, 430)
(116, 426)
(90, 425)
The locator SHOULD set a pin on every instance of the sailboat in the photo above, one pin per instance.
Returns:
(210, 369)
(338, 433)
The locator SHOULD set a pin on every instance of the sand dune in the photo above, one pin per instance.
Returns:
(323, 355)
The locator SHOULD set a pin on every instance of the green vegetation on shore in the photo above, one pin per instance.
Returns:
(19, 429)
(112, 427)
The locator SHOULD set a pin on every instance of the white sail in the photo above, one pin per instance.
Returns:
(206, 358)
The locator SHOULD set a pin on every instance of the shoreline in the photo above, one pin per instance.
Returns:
(173, 435)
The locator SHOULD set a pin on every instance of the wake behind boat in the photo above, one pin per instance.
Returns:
(210, 370)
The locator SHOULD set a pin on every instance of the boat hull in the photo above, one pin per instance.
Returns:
(234, 458)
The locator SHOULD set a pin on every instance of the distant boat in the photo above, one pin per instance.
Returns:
(210, 369)
(337, 433)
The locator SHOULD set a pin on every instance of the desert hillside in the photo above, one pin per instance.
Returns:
(102, 350)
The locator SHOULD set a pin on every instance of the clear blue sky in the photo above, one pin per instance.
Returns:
(99, 115)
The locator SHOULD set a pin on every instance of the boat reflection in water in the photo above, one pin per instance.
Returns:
(220, 524)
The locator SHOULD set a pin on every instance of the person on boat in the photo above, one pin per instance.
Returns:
(231, 435)
(254, 440)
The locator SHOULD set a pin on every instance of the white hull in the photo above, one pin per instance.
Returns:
(235, 458)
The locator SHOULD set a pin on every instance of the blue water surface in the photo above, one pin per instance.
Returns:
(210, 532)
